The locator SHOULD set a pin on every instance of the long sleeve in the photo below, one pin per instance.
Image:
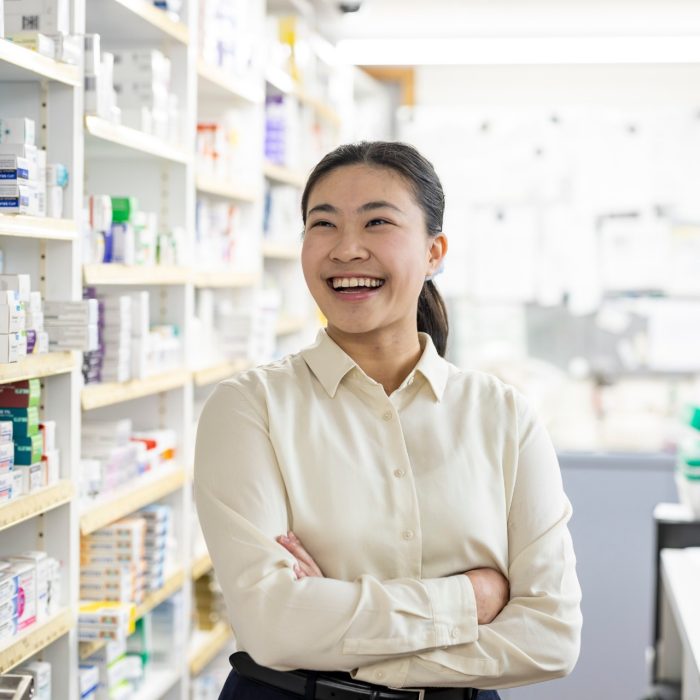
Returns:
(536, 637)
(318, 623)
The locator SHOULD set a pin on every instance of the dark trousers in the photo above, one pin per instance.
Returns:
(238, 688)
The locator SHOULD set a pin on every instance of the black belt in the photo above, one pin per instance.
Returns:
(323, 685)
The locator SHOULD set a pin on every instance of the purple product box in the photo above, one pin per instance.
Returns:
(31, 341)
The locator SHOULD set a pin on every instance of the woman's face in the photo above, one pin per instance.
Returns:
(366, 250)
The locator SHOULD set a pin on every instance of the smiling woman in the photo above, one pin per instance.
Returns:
(379, 519)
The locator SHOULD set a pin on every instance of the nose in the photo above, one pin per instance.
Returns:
(349, 247)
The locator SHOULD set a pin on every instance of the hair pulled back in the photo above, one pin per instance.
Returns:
(418, 171)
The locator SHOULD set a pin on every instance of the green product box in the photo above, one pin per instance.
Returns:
(20, 394)
(29, 450)
(123, 209)
(25, 421)
(692, 416)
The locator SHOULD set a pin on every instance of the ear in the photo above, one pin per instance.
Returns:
(436, 252)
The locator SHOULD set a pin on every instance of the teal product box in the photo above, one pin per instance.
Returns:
(29, 450)
(25, 421)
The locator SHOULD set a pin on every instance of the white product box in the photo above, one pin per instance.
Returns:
(21, 284)
(54, 585)
(71, 313)
(17, 130)
(57, 175)
(40, 671)
(48, 428)
(54, 202)
(32, 476)
(84, 338)
(12, 318)
(26, 572)
(23, 150)
(14, 170)
(89, 679)
(15, 199)
(42, 342)
(35, 41)
(48, 16)
(6, 491)
(11, 347)
(91, 54)
(40, 561)
(69, 48)
(34, 320)
(17, 483)
(35, 302)
(50, 462)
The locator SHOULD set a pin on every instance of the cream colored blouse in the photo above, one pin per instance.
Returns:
(394, 497)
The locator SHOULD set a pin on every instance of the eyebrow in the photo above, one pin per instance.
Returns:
(369, 206)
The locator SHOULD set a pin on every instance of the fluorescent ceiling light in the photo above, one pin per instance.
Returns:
(520, 51)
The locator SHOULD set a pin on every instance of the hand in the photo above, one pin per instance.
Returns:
(305, 565)
(492, 592)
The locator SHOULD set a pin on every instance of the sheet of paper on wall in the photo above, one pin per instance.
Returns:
(684, 259)
(673, 334)
(633, 253)
(506, 250)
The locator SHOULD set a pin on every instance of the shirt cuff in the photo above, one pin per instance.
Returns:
(454, 610)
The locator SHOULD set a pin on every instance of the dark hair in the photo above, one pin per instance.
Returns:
(427, 191)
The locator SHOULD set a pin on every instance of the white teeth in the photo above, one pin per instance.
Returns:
(344, 282)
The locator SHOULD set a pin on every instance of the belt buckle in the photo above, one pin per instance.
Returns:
(420, 691)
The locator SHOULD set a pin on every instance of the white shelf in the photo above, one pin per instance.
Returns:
(221, 279)
(22, 226)
(107, 140)
(142, 275)
(18, 649)
(146, 489)
(43, 365)
(158, 681)
(110, 393)
(215, 83)
(133, 22)
(207, 645)
(281, 251)
(284, 176)
(33, 504)
(214, 186)
(20, 64)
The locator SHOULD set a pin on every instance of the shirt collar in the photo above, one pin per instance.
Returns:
(330, 363)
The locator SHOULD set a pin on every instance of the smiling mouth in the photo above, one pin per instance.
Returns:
(354, 284)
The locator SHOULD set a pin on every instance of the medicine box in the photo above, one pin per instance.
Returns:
(5, 431)
(41, 562)
(12, 346)
(17, 130)
(12, 318)
(85, 338)
(51, 466)
(15, 199)
(32, 476)
(7, 491)
(48, 16)
(40, 671)
(21, 284)
(20, 394)
(27, 584)
(35, 41)
(84, 312)
(25, 421)
(29, 450)
(57, 175)
(14, 169)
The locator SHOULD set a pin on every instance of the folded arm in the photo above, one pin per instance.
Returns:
(318, 623)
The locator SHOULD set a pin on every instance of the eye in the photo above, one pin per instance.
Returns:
(321, 223)
(377, 222)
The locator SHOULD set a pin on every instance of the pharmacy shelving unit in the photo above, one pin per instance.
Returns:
(166, 178)
(50, 93)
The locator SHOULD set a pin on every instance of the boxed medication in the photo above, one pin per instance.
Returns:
(14, 169)
(17, 130)
(48, 16)
(27, 590)
(5, 431)
(7, 456)
(48, 430)
(15, 199)
(23, 150)
(69, 313)
(89, 680)
(13, 347)
(83, 338)
(25, 421)
(29, 450)
(36, 41)
(69, 48)
(51, 466)
(12, 318)
(21, 284)
(20, 394)
(32, 477)
(41, 563)
(40, 671)
(7, 487)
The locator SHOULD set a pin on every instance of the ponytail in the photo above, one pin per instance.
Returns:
(432, 316)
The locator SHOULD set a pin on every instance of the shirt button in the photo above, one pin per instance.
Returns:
(398, 473)
(387, 415)
(380, 674)
(407, 534)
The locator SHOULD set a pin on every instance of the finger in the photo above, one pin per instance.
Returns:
(300, 553)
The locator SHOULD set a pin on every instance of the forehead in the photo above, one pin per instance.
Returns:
(357, 184)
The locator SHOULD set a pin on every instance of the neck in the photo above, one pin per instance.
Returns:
(387, 358)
